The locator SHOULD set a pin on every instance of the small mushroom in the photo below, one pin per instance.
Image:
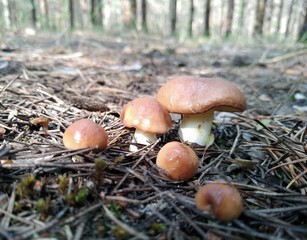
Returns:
(42, 121)
(197, 98)
(85, 133)
(148, 117)
(178, 160)
(220, 199)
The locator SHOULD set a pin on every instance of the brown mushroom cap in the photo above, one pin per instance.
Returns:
(187, 94)
(85, 133)
(178, 160)
(146, 114)
(223, 200)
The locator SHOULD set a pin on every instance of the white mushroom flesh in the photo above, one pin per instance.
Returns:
(196, 128)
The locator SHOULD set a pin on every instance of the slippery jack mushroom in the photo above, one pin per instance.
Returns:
(220, 199)
(178, 160)
(197, 98)
(148, 117)
(85, 133)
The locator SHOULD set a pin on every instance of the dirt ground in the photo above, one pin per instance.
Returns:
(48, 191)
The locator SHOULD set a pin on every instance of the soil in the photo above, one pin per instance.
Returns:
(49, 191)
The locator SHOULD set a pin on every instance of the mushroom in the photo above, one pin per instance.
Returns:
(197, 98)
(178, 160)
(42, 121)
(148, 117)
(220, 199)
(85, 133)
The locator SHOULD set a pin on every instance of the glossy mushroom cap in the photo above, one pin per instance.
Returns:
(148, 117)
(197, 98)
(221, 199)
(188, 94)
(146, 114)
(178, 160)
(85, 133)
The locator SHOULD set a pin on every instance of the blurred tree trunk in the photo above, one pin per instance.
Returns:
(46, 12)
(173, 13)
(78, 11)
(33, 13)
(191, 17)
(207, 18)
(269, 16)
(260, 13)
(71, 13)
(222, 17)
(279, 15)
(242, 14)
(129, 13)
(229, 18)
(302, 35)
(144, 16)
(6, 13)
(12, 13)
(96, 12)
(289, 18)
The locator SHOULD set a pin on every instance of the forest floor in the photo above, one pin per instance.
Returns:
(47, 191)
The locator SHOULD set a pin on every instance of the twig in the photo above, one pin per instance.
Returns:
(283, 57)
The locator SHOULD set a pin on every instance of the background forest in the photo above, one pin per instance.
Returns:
(273, 19)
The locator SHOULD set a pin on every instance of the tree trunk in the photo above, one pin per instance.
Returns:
(129, 13)
(6, 13)
(12, 13)
(133, 13)
(96, 12)
(289, 18)
(269, 16)
(173, 13)
(71, 13)
(46, 12)
(222, 20)
(302, 35)
(143, 16)
(229, 18)
(191, 17)
(207, 18)
(260, 13)
(279, 15)
(242, 14)
(33, 13)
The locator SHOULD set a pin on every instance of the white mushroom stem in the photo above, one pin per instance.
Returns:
(196, 128)
(141, 137)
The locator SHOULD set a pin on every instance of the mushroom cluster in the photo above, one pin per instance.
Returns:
(194, 98)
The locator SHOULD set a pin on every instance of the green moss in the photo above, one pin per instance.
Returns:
(26, 187)
(119, 233)
(156, 228)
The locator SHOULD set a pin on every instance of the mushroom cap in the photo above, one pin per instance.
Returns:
(188, 94)
(146, 114)
(85, 133)
(221, 199)
(178, 160)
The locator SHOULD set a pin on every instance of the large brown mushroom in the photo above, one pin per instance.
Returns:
(178, 160)
(220, 199)
(85, 133)
(148, 117)
(197, 98)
